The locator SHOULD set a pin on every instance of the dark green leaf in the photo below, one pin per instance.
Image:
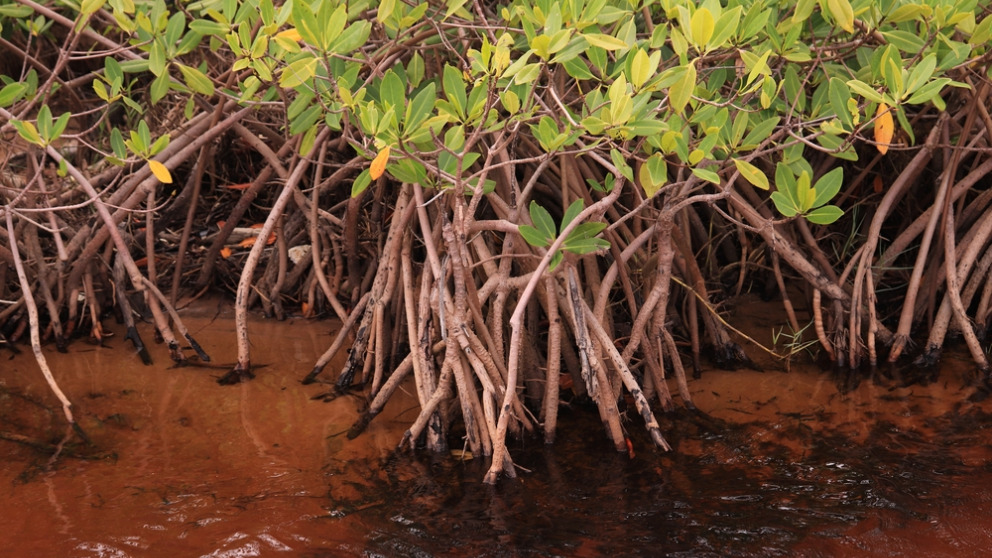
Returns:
(543, 221)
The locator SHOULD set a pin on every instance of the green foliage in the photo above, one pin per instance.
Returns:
(692, 93)
(580, 240)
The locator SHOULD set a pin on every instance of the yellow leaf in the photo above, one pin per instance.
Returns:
(884, 128)
(292, 34)
(160, 171)
(379, 163)
(225, 252)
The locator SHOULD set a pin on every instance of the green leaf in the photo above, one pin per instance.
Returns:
(827, 186)
(45, 123)
(361, 183)
(11, 93)
(585, 230)
(605, 42)
(454, 89)
(892, 71)
(60, 125)
(306, 23)
(543, 221)
(298, 72)
(653, 174)
(392, 92)
(760, 132)
(752, 174)
(386, 9)
(707, 175)
(331, 24)
(840, 94)
(571, 213)
(196, 80)
(824, 215)
(928, 92)
(621, 165)
(863, 89)
(117, 144)
(586, 245)
(784, 205)
(159, 87)
(726, 27)
(982, 32)
(527, 74)
(353, 37)
(207, 27)
(921, 73)
(510, 101)
(420, 108)
(533, 236)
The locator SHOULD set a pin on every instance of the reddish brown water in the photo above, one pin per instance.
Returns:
(783, 464)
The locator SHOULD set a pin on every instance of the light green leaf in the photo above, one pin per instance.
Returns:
(361, 183)
(196, 80)
(586, 245)
(863, 89)
(824, 215)
(606, 42)
(921, 73)
(707, 175)
(680, 93)
(11, 93)
(299, 72)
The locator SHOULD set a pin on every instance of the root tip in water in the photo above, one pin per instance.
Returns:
(237, 375)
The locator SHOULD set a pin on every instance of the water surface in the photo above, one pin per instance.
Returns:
(778, 464)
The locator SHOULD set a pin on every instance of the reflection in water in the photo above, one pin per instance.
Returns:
(729, 499)
(781, 465)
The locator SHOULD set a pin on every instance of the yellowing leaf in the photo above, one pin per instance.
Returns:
(702, 26)
(225, 252)
(292, 34)
(884, 128)
(160, 171)
(752, 173)
(379, 163)
(842, 13)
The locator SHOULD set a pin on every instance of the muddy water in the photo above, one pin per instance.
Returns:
(780, 464)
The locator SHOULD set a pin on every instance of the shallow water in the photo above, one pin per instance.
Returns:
(780, 464)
